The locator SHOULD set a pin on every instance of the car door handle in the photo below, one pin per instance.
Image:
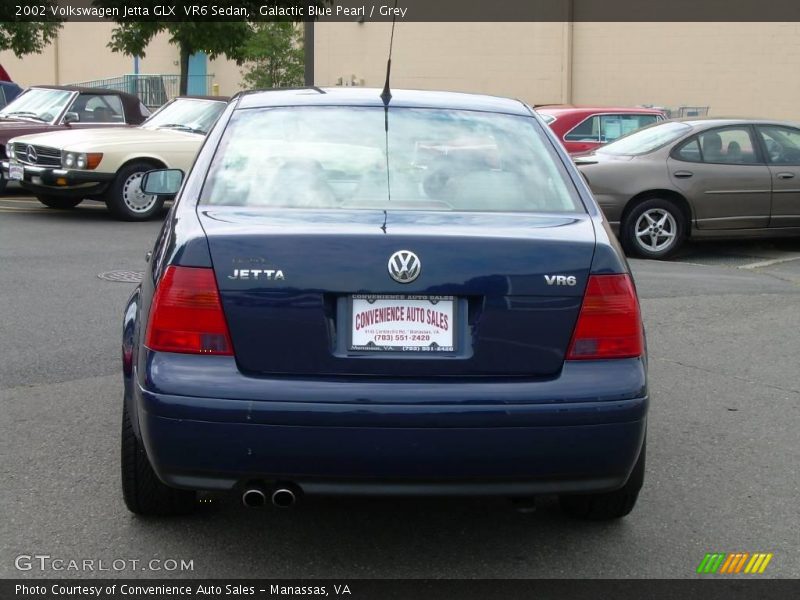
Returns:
(683, 174)
(785, 175)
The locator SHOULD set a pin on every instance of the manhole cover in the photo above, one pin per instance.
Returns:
(122, 276)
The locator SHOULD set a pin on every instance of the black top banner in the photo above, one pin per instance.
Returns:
(402, 10)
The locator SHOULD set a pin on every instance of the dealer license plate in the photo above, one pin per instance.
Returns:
(16, 172)
(402, 323)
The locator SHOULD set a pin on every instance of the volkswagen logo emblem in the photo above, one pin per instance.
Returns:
(31, 155)
(404, 266)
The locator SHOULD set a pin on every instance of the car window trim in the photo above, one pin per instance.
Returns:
(682, 144)
(763, 144)
(592, 116)
(753, 141)
(659, 117)
(58, 120)
(121, 104)
(546, 116)
(620, 116)
(124, 119)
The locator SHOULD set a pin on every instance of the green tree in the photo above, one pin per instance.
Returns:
(275, 56)
(27, 38)
(214, 37)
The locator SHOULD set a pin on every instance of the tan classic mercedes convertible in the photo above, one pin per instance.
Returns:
(63, 168)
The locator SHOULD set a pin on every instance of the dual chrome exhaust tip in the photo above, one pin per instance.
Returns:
(281, 496)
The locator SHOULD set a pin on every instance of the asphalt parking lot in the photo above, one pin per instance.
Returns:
(723, 454)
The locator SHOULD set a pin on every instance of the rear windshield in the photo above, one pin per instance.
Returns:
(647, 139)
(336, 157)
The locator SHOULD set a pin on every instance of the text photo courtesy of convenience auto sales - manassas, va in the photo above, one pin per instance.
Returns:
(399, 299)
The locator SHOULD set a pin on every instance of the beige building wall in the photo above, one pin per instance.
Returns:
(746, 69)
(227, 74)
(523, 60)
(81, 54)
(738, 69)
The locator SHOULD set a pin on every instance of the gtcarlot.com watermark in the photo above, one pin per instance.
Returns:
(48, 563)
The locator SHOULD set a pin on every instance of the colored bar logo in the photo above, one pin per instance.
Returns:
(723, 563)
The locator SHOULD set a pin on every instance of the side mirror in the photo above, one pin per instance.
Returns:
(162, 182)
(71, 117)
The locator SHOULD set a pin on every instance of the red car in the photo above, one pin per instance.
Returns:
(582, 129)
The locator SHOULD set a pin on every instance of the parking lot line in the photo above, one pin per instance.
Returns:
(36, 207)
(21, 200)
(769, 263)
(21, 208)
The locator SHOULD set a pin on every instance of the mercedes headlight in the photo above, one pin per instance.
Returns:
(81, 160)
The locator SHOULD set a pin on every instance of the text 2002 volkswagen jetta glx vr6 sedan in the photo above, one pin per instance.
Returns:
(418, 298)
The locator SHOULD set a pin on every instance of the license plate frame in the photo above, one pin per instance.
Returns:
(16, 172)
(425, 333)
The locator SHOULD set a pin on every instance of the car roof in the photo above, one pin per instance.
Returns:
(85, 90)
(560, 109)
(358, 96)
(708, 122)
(215, 98)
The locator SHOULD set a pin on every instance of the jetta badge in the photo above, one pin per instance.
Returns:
(404, 266)
(31, 154)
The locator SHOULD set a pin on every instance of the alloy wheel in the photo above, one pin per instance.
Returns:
(133, 196)
(655, 230)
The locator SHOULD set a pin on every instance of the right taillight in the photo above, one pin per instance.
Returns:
(186, 315)
(609, 324)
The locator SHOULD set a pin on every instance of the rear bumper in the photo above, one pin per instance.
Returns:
(394, 460)
(523, 444)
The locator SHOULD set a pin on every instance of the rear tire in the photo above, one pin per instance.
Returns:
(144, 493)
(57, 202)
(608, 505)
(655, 229)
(125, 199)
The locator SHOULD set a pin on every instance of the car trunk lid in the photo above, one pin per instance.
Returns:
(287, 277)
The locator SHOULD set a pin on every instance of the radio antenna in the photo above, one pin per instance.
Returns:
(386, 94)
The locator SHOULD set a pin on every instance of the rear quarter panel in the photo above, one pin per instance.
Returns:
(615, 181)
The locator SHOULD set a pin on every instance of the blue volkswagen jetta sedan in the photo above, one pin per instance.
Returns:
(353, 296)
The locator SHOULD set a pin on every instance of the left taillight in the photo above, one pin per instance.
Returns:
(186, 315)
